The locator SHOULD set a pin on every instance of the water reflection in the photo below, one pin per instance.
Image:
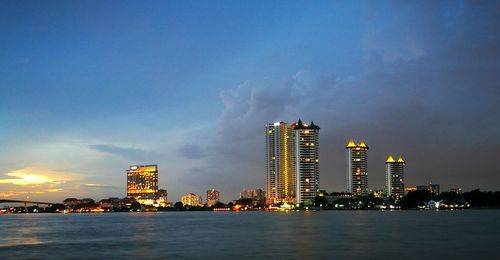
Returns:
(308, 235)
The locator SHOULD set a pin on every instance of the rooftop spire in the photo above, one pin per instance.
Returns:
(313, 126)
(350, 144)
(390, 159)
(363, 144)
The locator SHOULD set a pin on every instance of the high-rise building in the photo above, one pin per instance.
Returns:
(213, 196)
(142, 183)
(306, 161)
(191, 199)
(280, 163)
(357, 168)
(394, 177)
(292, 154)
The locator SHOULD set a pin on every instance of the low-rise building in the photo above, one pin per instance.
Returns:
(191, 199)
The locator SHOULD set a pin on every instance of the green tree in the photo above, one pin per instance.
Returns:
(135, 206)
(178, 205)
(320, 201)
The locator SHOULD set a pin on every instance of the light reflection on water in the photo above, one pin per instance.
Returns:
(295, 235)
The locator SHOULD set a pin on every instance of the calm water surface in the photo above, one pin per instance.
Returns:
(257, 235)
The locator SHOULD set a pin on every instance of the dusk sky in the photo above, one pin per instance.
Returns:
(89, 88)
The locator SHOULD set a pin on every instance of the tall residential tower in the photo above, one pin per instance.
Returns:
(292, 159)
(394, 177)
(306, 161)
(280, 154)
(357, 168)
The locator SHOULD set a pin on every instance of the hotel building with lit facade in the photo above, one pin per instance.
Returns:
(142, 185)
(394, 177)
(292, 160)
(357, 168)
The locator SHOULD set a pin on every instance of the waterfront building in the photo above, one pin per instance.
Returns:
(256, 195)
(142, 184)
(408, 189)
(213, 196)
(280, 161)
(162, 199)
(111, 203)
(306, 161)
(357, 168)
(192, 199)
(71, 203)
(292, 160)
(432, 188)
(378, 193)
(457, 190)
(334, 196)
(394, 177)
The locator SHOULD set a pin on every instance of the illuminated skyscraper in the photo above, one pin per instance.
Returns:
(191, 199)
(394, 177)
(213, 196)
(280, 163)
(292, 162)
(357, 168)
(142, 183)
(306, 161)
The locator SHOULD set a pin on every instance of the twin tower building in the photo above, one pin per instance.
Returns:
(292, 154)
(357, 172)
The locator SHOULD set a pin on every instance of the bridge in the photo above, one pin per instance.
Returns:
(25, 202)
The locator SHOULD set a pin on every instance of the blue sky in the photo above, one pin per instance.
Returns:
(89, 88)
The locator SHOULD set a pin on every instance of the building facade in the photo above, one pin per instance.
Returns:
(292, 160)
(432, 188)
(142, 184)
(357, 168)
(192, 199)
(162, 199)
(394, 177)
(306, 161)
(213, 196)
(256, 195)
(280, 163)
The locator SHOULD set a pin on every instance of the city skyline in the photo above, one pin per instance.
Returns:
(91, 89)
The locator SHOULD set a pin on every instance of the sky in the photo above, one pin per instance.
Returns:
(89, 88)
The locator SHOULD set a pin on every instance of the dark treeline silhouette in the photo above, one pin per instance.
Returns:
(414, 199)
